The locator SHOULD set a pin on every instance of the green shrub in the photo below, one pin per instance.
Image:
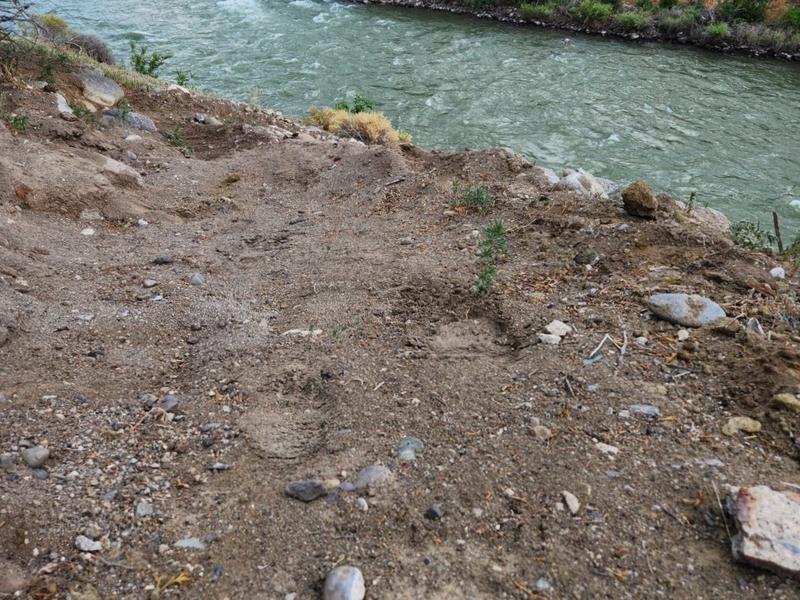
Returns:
(494, 244)
(591, 10)
(750, 11)
(718, 30)
(182, 77)
(83, 113)
(792, 17)
(751, 235)
(93, 47)
(360, 104)
(677, 21)
(19, 123)
(485, 280)
(536, 12)
(476, 198)
(634, 21)
(147, 64)
(47, 75)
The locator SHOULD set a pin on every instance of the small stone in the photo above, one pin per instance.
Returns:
(40, 474)
(91, 214)
(144, 509)
(87, 231)
(372, 476)
(149, 283)
(542, 585)
(435, 512)
(639, 200)
(558, 328)
(93, 531)
(586, 256)
(191, 543)
(645, 410)
(133, 138)
(7, 461)
(737, 424)
(361, 504)
(163, 259)
(549, 338)
(572, 502)
(197, 279)
(35, 457)
(683, 335)
(607, 449)
(305, 490)
(344, 583)
(687, 310)
(786, 402)
(542, 433)
(408, 447)
(768, 528)
(84, 544)
(777, 273)
(168, 403)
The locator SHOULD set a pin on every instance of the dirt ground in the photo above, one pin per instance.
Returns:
(336, 317)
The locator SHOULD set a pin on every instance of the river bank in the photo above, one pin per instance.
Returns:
(237, 352)
(741, 39)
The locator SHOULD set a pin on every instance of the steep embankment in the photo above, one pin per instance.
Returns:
(187, 332)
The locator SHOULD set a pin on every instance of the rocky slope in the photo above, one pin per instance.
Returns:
(186, 330)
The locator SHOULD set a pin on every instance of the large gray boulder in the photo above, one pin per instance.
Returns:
(99, 89)
(689, 310)
(115, 118)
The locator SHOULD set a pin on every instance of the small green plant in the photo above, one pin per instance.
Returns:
(19, 123)
(124, 109)
(718, 30)
(591, 10)
(750, 11)
(147, 64)
(751, 235)
(634, 20)
(472, 197)
(536, 11)
(494, 244)
(792, 17)
(47, 75)
(360, 104)
(677, 20)
(83, 113)
(485, 280)
(175, 137)
(182, 78)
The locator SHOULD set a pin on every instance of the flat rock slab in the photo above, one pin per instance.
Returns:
(689, 310)
(118, 118)
(768, 524)
(99, 89)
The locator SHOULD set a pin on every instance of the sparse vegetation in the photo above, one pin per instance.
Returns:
(18, 122)
(752, 235)
(492, 249)
(360, 104)
(634, 20)
(175, 137)
(719, 30)
(83, 113)
(182, 78)
(593, 11)
(93, 47)
(47, 75)
(368, 127)
(147, 63)
(472, 197)
(536, 12)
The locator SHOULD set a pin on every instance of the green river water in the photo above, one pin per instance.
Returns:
(687, 120)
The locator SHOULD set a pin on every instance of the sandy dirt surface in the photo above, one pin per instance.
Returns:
(332, 314)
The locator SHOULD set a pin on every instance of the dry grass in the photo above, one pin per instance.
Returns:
(368, 127)
(776, 9)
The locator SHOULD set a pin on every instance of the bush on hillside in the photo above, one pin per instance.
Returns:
(591, 10)
(94, 47)
(536, 12)
(634, 20)
(792, 17)
(750, 11)
(368, 127)
(718, 30)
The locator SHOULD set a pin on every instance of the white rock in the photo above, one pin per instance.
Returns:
(768, 524)
(84, 544)
(683, 335)
(87, 231)
(549, 338)
(344, 583)
(581, 181)
(558, 328)
(133, 138)
(778, 273)
(607, 449)
(572, 502)
(548, 175)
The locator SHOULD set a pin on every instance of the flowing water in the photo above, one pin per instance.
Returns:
(687, 120)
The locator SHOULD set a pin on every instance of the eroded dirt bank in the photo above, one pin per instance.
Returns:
(309, 303)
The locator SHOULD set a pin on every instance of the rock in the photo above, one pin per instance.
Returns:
(197, 279)
(737, 424)
(548, 176)
(777, 273)
(40, 474)
(549, 338)
(435, 512)
(144, 509)
(609, 187)
(646, 410)
(88, 231)
(98, 88)
(163, 259)
(768, 528)
(7, 461)
(361, 504)
(91, 214)
(93, 531)
(543, 586)
(683, 335)
(572, 502)
(35, 457)
(305, 490)
(372, 476)
(607, 449)
(639, 201)
(408, 447)
(786, 402)
(120, 173)
(115, 118)
(270, 132)
(580, 181)
(64, 109)
(687, 310)
(12, 578)
(754, 326)
(344, 583)
(149, 283)
(191, 543)
(204, 119)
(84, 544)
(542, 433)
(558, 328)
(168, 403)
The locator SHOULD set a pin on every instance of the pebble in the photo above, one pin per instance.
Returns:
(344, 583)
(41, 474)
(646, 410)
(572, 502)
(88, 231)
(787, 402)
(191, 543)
(361, 504)
(683, 335)
(148, 283)
(542, 585)
(607, 449)
(305, 490)
(197, 279)
(372, 476)
(91, 214)
(549, 338)
(435, 512)
(168, 403)
(558, 328)
(144, 509)
(7, 461)
(163, 259)
(737, 424)
(35, 457)
(687, 310)
(408, 447)
(778, 273)
(84, 544)
(542, 433)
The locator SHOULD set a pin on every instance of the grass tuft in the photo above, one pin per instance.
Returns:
(472, 197)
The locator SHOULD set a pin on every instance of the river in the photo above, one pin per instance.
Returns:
(686, 120)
